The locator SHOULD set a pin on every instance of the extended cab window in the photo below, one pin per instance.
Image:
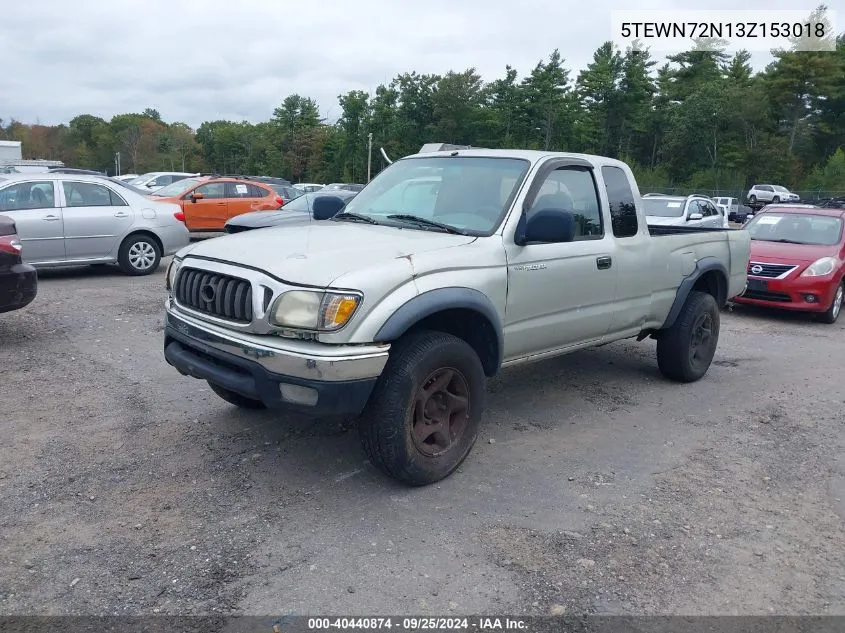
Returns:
(623, 211)
(572, 189)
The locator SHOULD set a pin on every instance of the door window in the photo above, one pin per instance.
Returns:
(212, 190)
(27, 195)
(572, 189)
(89, 194)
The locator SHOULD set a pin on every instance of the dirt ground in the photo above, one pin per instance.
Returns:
(596, 486)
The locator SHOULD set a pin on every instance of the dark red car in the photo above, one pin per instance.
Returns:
(797, 260)
(18, 281)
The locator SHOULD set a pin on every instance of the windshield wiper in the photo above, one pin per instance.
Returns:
(786, 241)
(426, 222)
(354, 217)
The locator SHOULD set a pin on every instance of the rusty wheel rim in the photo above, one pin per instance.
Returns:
(441, 412)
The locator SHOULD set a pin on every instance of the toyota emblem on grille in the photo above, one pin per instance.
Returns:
(207, 293)
(756, 269)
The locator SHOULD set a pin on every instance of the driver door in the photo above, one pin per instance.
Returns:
(561, 294)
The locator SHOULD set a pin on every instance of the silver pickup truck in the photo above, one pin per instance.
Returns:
(447, 267)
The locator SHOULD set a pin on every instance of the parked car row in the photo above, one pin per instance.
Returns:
(797, 260)
(304, 209)
(690, 211)
(76, 218)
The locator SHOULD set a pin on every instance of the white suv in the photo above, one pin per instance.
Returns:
(771, 193)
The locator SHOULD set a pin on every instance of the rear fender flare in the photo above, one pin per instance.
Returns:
(702, 267)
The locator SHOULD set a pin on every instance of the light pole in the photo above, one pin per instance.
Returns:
(117, 163)
(369, 154)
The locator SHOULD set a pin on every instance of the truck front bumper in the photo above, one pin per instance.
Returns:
(303, 376)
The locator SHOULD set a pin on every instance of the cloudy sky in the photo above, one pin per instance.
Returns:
(196, 60)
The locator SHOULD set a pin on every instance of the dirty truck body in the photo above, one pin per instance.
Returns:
(446, 268)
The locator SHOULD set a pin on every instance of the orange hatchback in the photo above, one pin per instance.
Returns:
(208, 202)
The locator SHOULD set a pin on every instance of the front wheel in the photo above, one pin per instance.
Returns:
(685, 350)
(139, 255)
(776, 199)
(423, 417)
(835, 308)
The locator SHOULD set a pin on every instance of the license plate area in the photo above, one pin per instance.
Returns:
(758, 285)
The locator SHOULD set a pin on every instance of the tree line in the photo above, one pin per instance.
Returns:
(701, 120)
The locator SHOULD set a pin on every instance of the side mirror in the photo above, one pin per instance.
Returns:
(196, 196)
(546, 226)
(325, 207)
(694, 216)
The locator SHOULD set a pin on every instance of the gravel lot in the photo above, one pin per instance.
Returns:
(596, 485)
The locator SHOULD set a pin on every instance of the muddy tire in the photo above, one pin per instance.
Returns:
(232, 397)
(833, 312)
(139, 255)
(423, 417)
(685, 350)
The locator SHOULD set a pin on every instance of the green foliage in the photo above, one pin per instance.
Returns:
(703, 120)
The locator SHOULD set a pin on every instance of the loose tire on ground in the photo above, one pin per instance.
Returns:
(423, 417)
(235, 398)
(139, 255)
(685, 350)
(833, 312)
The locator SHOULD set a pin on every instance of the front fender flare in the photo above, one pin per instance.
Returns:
(433, 301)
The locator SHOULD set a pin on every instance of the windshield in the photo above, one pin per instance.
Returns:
(177, 188)
(128, 186)
(467, 193)
(299, 203)
(140, 180)
(779, 188)
(799, 228)
(662, 208)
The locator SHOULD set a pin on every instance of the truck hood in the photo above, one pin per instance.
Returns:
(778, 252)
(319, 252)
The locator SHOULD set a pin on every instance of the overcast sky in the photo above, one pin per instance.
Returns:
(196, 60)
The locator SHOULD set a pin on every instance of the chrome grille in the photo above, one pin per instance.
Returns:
(770, 271)
(214, 294)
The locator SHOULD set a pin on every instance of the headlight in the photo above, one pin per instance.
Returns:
(821, 267)
(172, 269)
(307, 310)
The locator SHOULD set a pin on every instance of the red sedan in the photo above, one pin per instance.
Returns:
(797, 260)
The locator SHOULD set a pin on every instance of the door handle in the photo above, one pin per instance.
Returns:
(121, 214)
(603, 262)
(51, 218)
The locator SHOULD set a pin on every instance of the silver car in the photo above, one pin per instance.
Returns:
(73, 219)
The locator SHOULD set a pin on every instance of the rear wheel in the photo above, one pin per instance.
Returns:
(685, 350)
(139, 255)
(232, 397)
(752, 199)
(835, 307)
(423, 416)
